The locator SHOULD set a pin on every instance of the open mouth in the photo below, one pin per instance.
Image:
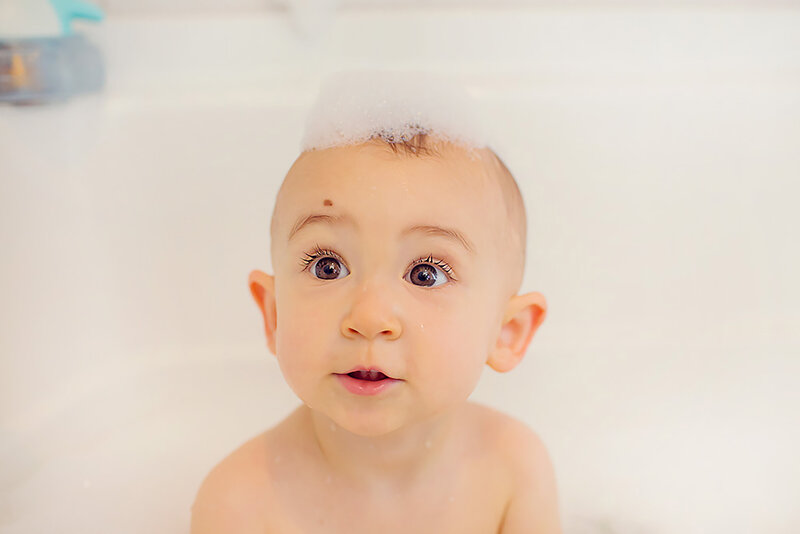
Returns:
(372, 376)
(364, 382)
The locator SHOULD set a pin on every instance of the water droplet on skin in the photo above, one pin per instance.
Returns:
(421, 326)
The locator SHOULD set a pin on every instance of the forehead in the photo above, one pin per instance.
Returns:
(378, 189)
(375, 166)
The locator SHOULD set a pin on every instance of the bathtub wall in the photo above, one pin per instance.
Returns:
(657, 147)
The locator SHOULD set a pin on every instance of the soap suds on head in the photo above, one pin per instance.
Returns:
(353, 107)
(414, 110)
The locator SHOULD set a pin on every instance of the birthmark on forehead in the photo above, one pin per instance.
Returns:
(327, 202)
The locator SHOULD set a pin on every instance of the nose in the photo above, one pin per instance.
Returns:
(372, 315)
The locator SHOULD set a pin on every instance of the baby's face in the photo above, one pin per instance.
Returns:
(399, 268)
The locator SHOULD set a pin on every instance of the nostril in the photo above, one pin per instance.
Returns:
(349, 331)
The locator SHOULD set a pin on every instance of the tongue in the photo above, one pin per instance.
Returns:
(364, 375)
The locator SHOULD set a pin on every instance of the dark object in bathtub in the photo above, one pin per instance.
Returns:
(50, 69)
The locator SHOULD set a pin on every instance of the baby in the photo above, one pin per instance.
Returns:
(398, 251)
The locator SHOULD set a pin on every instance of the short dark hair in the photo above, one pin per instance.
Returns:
(418, 144)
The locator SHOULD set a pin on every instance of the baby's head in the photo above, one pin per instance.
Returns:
(401, 252)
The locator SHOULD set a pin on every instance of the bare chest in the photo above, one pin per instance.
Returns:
(469, 500)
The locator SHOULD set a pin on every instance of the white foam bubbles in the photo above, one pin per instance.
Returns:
(354, 106)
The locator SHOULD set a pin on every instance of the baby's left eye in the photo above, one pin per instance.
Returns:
(427, 274)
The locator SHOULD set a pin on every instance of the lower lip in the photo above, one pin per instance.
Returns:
(366, 387)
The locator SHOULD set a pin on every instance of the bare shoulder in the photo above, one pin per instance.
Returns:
(516, 439)
(533, 507)
(232, 498)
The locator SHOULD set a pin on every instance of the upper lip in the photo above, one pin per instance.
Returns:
(362, 368)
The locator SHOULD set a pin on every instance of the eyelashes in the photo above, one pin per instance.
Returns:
(319, 252)
(434, 261)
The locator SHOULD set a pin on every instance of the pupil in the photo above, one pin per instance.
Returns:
(424, 274)
(327, 267)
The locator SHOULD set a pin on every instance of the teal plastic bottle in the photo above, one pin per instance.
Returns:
(41, 58)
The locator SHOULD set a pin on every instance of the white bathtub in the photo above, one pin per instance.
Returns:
(659, 194)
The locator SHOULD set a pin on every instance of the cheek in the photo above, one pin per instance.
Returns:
(452, 346)
(300, 337)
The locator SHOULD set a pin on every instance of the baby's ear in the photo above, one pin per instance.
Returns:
(262, 287)
(523, 316)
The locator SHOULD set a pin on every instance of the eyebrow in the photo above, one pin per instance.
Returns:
(427, 229)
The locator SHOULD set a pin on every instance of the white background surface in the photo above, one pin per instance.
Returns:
(658, 152)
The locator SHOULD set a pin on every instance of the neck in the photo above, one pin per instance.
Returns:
(394, 460)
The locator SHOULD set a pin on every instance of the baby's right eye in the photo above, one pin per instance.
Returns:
(324, 264)
(328, 268)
